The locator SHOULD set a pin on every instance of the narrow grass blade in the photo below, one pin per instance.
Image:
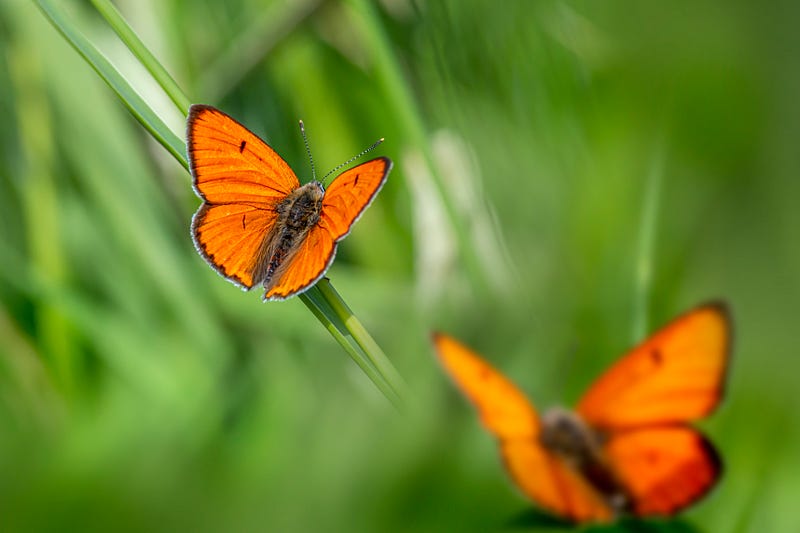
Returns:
(409, 118)
(143, 113)
(321, 307)
(354, 326)
(137, 47)
(645, 245)
(276, 21)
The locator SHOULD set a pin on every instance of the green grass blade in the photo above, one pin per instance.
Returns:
(320, 305)
(143, 113)
(274, 23)
(364, 340)
(409, 118)
(137, 47)
(645, 245)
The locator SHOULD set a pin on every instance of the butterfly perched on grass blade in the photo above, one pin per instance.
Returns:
(627, 448)
(257, 225)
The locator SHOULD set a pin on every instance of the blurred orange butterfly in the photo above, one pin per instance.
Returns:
(257, 225)
(627, 448)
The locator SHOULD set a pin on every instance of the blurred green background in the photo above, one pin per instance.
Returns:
(608, 166)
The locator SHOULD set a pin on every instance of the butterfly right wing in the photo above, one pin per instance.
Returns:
(350, 194)
(643, 403)
(510, 417)
(240, 178)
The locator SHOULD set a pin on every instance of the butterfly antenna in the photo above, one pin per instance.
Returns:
(308, 151)
(374, 145)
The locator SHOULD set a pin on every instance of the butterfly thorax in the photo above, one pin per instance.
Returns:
(566, 435)
(297, 214)
(300, 209)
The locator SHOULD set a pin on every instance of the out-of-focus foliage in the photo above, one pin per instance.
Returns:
(608, 164)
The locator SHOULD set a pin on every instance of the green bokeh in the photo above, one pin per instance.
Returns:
(611, 164)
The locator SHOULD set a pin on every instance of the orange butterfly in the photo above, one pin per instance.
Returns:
(257, 225)
(627, 448)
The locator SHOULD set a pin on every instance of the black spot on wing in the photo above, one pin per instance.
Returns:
(656, 356)
(241, 146)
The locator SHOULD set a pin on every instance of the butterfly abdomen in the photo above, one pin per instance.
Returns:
(297, 214)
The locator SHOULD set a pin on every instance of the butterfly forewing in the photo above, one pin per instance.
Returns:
(677, 375)
(230, 164)
(350, 193)
(503, 408)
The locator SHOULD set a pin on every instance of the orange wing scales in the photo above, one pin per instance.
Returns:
(343, 202)
(315, 255)
(229, 237)
(504, 409)
(215, 146)
(350, 194)
(677, 375)
(551, 483)
(664, 469)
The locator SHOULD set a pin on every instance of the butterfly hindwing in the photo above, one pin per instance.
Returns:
(551, 483)
(230, 236)
(677, 375)
(305, 267)
(664, 469)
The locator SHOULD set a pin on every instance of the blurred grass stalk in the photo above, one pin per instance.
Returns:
(326, 304)
(645, 245)
(408, 118)
(40, 208)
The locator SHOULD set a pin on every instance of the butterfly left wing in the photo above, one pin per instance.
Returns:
(503, 408)
(664, 469)
(677, 375)
(512, 419)
(551, 483)
(350, 194)
(240, 179)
